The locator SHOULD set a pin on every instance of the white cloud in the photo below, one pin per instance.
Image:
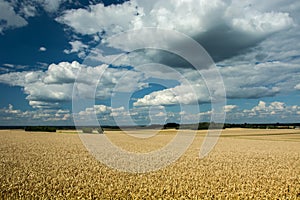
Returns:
(271, 112)
(191, 17)
(45, 89)
(124, 116)
(111, 19)
(218, 25)
(240, 82)
(43, 104)
(262, 109)
(97, 55)
(224, 28)
(96, 109)
(14, 78)
(103, 109)
(51, 5)
(255, 22)
(279, 106)
(104, 113)
(28, 10)
(11, 110)
(8, 65)
(48, 92)
(42, 49)
(228, 29)
(177, 95)
(57, 82)
(260, 80)
(13, 14)
(290, 6)
(273, 109)
(160, 114)
(243, 81)
(63, 72)
(9, 19)
(77, 47)
(229, 108)
(12, 116)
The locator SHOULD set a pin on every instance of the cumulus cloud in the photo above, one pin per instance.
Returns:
(229, 108)
(46, 88)
(9, 18)
(191, 17)
(231, 31)
(244, 37)
(105, 114)
(63, 72)
(14, 79)
(266, 112)
(264, 79)
(98, 18)
(217, 25)
(260, 23)
(48, 93)
(11, 116)
(243, 81)
(273, 108)
(77, 47)
(250, 81)
(254, 43)
(125, 116)
(28, 10)
(51, 5)
(14, 14)
(38, 92)
(182, 94)
(96, 109)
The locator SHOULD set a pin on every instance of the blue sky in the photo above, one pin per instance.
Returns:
(54, 51)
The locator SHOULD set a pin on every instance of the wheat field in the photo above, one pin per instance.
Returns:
(245, 164)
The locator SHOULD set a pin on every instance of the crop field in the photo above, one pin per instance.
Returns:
(245, 164)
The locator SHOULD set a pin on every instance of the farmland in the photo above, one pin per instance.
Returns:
(245, 164)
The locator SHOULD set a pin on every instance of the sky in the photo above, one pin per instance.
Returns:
(134, 63)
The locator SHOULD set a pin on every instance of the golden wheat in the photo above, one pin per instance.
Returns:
(57, 166)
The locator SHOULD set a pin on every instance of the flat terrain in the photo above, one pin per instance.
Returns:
(245, 164)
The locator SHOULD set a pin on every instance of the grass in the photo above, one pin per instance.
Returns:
(57, 166)
(67, 131)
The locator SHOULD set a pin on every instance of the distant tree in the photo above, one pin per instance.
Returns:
(214, 125)
(100, 130)
(40, 128)
(171, 126)
(87, 130)
(203, 126)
